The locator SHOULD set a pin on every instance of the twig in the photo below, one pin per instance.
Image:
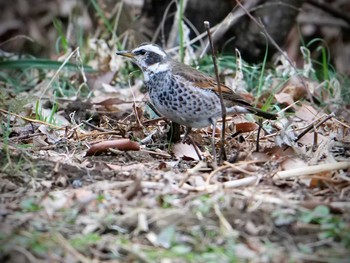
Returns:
(341, 123)
(83, 136)
(136, 253)
(314, 145)
(242, 182)
(226, 166)
(121, 184)
(195, 148)
(97, 128)
(15, 38)
(134, 108)
(258, 136)
(329, 9)
(30, 120)
(26, 253)
(233, 17)
(75, 51)
(311, 170)
(310, 127)
(161, 154)
(153, 121)
(253, 194)
(242, 170)
(133, 189)
(160, 28)
(223, 108)
(71, 250)
(273, 42)
(190, 172)
(228, 229)
(27, 136)
(206, 188)
(148, 138)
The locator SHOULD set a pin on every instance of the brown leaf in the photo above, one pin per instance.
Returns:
(316, 179)
(246, 127)
(110, 102)
(306, 113)
(284, 98)
(121, 144)
(182, 150)
(296, 92)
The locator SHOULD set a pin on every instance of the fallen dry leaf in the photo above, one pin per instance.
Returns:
(284, 98)
(185, 150)
(291, 163)
(121, 144)
(307, 113)
(246, 127)
(110, 102)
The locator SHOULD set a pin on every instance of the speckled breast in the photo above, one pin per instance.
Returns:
(181, 102)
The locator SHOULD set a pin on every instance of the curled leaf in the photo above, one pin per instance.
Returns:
(246, 127)
(120, 144)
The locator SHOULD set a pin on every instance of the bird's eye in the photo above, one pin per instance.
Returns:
(141, 52)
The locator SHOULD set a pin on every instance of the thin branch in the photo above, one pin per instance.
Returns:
(329, 9)
(220, 29)
(310, 127)
(31, 120)
(63, 243)
(258, 136)
(273, 42)
(298, 172)
(98, 128)
(223, 108)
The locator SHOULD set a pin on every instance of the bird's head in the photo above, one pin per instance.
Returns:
(150, 57)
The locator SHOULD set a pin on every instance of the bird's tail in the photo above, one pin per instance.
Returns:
(261, 113)
(245, 108)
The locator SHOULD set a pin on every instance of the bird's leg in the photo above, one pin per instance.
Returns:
(187, 132)
(174, 132)
(213, 141)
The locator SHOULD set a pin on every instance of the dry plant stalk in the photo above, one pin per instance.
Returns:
(223, 108)
(311, 170)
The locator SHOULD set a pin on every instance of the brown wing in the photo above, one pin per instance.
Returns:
(205, 82)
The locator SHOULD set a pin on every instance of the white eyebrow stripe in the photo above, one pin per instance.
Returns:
(152, 48)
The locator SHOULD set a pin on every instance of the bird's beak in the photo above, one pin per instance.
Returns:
(125, 54)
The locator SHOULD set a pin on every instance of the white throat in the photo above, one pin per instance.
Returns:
(158, 67)
(155, 68)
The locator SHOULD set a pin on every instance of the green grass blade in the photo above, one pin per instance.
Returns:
(261, 79)
(325, 64)
(40, 64)
(102, 15)
(62, 38)
(181, 31)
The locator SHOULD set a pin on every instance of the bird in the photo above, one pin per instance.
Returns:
(184, 94)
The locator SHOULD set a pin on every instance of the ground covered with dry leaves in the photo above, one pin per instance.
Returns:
(87, 173)
(96, 180)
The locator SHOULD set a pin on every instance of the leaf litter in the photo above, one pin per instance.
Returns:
(109, 187)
